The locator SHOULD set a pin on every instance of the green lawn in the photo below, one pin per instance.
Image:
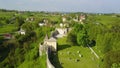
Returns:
(68, 54)
(107, 20)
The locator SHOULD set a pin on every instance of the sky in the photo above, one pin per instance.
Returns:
(92, 6)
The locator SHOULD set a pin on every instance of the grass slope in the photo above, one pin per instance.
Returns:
(68, 60)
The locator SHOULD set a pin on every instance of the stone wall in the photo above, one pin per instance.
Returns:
(53, 45)
(43, 48)
(49, 64)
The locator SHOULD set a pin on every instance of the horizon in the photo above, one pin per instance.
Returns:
(56, 11)
(93, 6)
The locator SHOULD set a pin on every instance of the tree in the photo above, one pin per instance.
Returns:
(72, 38)
(28, 27)
(77, 28)
(78, 35)
(82, 38)
(112, 59)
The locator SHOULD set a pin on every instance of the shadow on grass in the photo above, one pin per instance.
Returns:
(92, 43)
(61, 47)
(55, 60)
(3, 53)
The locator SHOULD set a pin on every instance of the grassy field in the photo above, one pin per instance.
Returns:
(107, 20)
(67, 56)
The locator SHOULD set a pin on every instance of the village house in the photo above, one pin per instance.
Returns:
(64, 25)
(45, 20)
(41, 24)
(64, 19)
(60, 32)
(76, 19)
(30, 19)
(82, 17)
(22, 32)
(7, 36)
(61, 24)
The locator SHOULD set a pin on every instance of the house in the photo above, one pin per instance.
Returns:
(76, 19)
(30, 19)
(22, 32)
(64, 19)
(41, 24)
(45, 21)
(61, 24)
(82, 17)
(62, 30)
(7, 36)
(79, 18)
(64, 25)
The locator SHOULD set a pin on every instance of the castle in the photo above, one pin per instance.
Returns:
(48, 44)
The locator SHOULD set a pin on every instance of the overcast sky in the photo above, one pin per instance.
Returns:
(102, 6)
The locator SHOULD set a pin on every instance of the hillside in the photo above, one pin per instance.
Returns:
(21, 32)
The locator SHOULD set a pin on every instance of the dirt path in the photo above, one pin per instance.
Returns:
(93, 51)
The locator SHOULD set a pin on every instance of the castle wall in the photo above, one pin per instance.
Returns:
(53, 45)
(49, 64)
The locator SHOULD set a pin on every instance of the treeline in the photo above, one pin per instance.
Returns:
(18, 47)
(6, 10)
(108, 40)
(23, 48)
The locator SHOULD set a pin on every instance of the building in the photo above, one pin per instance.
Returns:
(7, 36)
(76, 19)
(50, 43)
(49, 46)
(41, 24)
(45, 20)
(30, 19)
(82, 17)
(61, 24)
(64, 19)
(22, 32)
(62, 30)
